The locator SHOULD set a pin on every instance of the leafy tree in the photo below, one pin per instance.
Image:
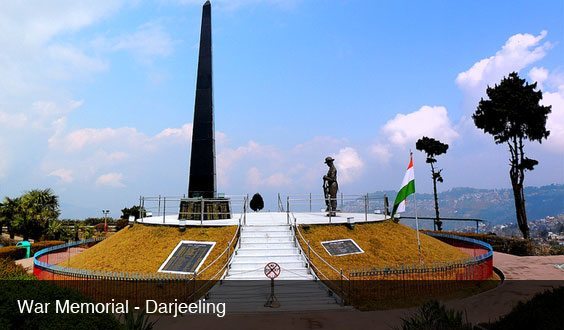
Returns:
(135, 210)
(256, 203)
(511, 115)
(37, 208)
(8, 212)
(433, 148)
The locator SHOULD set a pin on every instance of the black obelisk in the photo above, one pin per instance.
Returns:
(202, 159)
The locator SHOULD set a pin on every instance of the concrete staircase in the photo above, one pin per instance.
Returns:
(245, 288)
(260, 245)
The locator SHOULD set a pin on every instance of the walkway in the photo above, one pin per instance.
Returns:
(261, 218)
(540, 273)
(245, 288)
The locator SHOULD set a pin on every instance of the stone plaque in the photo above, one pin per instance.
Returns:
(341, 247)
(187, 257)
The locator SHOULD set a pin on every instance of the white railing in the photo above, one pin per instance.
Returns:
(163, 206)
(365, 204)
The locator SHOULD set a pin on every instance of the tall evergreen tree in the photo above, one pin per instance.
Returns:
(512, 115)
(433, 148)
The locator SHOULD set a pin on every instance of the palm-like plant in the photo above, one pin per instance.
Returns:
(37, 208)
(9, 210)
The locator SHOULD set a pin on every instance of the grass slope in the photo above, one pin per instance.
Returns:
(143, 249)
(385, 244)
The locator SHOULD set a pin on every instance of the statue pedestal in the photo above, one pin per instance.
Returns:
(216, 209)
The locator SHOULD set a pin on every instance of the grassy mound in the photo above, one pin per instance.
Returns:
(142, 249)
(385, 244)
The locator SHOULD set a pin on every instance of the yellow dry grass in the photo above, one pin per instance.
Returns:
(142, 249)
(385, 244)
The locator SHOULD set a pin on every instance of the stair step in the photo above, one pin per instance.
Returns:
(270, 229)
(279, 259)
(269, 245)
(266, 239)
(248, 265)
(259, 272)
(243, 251)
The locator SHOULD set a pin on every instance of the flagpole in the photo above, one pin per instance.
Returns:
(416, 218)
(417, 229)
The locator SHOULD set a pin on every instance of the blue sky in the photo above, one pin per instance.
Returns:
(96, 98)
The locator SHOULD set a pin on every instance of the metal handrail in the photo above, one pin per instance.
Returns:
(311, 265)
(97, 274)
(428, 268)
(315, 253)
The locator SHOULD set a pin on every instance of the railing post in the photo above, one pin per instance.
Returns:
(159, 207)
(142, 211)
(341, 201)
(342, 292)
(309, 202)
(366, 207)
(288, 209)
(386, 205)
(164, 209)
(477, 227)
(244, 210)
(140, 208)
(228, 251)
(201, 210)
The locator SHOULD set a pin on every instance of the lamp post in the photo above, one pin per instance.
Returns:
(106, 212)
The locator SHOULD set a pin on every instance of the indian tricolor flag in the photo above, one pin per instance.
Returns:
(407, 188)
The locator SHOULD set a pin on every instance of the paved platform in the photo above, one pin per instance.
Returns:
(540, 273)
(265, 218)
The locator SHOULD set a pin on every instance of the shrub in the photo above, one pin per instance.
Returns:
(544, 311)
(46, 291)
(44, 244)
(99, 227)
(16, 253)
(515, 246)
(121, 223)
(12, 253)
(9, 270)
(434, 316)
(256, 203)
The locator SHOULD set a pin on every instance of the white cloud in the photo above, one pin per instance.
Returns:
(349, 165)
(381, 152)
(227, 157)
(111, 179)
(73, 61)
(555, 121)
(14, 120)
(256, 180)
(430, 121)
(538, 75)
(81, 138)
(150, 40)
(183, 133)
(519, 51)
(65, 175)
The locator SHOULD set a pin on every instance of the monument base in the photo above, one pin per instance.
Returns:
(216, 209)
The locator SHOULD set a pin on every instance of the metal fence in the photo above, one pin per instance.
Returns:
(448, 223)
(168, 209)
(378, 284)
(365, 204)
(104, 286)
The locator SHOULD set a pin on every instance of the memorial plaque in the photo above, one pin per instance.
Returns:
(187, 257)
(342, 247)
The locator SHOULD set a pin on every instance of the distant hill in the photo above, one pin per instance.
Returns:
(493, 205)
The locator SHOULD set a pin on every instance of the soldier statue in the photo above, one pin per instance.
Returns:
(330, 187)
